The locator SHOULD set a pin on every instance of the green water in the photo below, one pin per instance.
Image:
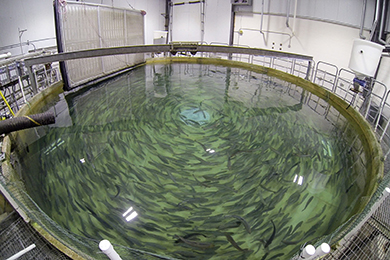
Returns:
(212, 163)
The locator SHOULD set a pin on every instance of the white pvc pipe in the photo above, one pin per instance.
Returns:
(308, 251)
(5, 55)
(20, 253)
(295, 17)
(109, 250)
(323, 249)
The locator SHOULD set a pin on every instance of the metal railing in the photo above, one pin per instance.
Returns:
(372, 103)
(16, 85)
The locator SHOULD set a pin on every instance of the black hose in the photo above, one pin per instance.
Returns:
(23, 122)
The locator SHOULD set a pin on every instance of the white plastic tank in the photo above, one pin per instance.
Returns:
(365, 58)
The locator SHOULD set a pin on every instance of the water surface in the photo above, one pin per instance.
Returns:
(197, 162)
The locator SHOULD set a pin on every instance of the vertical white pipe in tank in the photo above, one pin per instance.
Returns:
(109, 250)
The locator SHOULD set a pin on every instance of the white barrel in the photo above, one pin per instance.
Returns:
(365, 57)
(308, 251)
(323, 249)
(109, 250)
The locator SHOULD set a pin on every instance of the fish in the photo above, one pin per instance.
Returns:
(243, 221)
(189, 236)
(186, 254)
(201, 245)
(118, 190)
(308, 202)
(231, 240)
(291, 242)
(231, 224)
(318, 215)
(269, 241)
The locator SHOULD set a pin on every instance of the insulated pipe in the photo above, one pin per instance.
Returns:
(363, 18)
(24, 122)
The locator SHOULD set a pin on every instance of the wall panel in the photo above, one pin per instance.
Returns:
(89, 26)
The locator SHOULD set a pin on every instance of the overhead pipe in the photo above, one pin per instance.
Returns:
(240, 31)
(262, 17)
(167, 18)
(288, 13)
(375, 23)
(295, 16)
(383, 18)
(363, 18)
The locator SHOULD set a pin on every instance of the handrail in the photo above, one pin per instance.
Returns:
(160, 48)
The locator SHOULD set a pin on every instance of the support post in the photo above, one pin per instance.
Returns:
(308, 70)
(33, 81)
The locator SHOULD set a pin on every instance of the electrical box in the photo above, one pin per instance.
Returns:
(242, 2)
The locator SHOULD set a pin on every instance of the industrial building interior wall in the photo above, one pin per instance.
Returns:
(36, 19)
(33, 18)
(187, 21)
(322, 29)
(324, 41)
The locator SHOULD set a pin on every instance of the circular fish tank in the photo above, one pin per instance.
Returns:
(199, 159)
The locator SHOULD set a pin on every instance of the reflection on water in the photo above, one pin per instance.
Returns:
(196, 162)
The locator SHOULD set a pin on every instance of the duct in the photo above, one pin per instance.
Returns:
(363, 18)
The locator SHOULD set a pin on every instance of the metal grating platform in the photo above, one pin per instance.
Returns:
(16, 235)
